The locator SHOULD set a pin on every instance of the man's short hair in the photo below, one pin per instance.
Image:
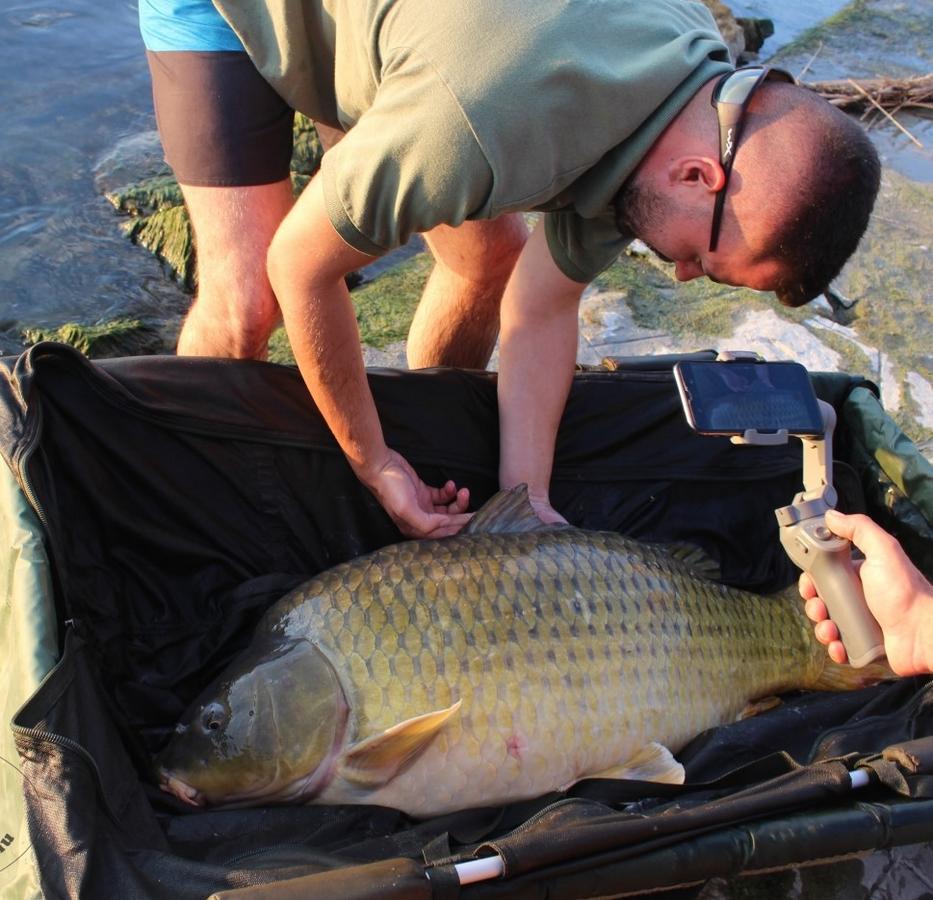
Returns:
(836, 197)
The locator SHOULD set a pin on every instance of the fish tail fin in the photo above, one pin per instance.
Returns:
(835, 677)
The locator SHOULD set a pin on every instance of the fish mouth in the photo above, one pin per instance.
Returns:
(183, 791)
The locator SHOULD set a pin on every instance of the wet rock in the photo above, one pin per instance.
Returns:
(756, 31)
(119, 337)
(306, 147)
(136, 181)
(733, 33)
(168, 234)
(147, 197)
(132, 160)
(744, 37)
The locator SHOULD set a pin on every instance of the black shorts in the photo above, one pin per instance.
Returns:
(220, 121)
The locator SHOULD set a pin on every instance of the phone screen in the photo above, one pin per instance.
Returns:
(733, 397)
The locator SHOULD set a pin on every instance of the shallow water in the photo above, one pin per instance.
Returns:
(73, 85)
(76, 116)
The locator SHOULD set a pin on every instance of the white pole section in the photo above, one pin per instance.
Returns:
(484, 869)
(859, 778)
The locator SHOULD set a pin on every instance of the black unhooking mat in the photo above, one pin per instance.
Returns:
(180, 497)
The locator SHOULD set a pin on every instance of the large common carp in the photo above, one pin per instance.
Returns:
(502, 663)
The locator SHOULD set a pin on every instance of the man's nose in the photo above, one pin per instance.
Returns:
(688, 269)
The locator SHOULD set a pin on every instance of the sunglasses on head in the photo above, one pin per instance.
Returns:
(730, 99)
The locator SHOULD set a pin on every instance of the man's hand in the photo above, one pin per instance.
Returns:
(541, 504)
(897, 594)
(307, 264)
(418, 510)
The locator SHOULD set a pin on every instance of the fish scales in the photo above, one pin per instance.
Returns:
(540, 692)
(568, 652)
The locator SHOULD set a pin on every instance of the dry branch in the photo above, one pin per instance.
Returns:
(888, 93)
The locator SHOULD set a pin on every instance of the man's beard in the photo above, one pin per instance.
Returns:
(640, 209)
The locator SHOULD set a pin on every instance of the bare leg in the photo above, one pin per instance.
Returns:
(235, 310)
(457, 320)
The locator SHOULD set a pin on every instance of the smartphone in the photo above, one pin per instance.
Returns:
(737, 396)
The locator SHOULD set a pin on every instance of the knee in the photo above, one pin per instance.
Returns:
(482, 252)
(504, 243)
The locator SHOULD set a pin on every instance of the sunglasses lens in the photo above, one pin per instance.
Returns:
(737, 87)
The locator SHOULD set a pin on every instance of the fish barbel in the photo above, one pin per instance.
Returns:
(499, 664)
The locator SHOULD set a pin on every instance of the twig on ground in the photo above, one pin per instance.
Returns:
(884, 111)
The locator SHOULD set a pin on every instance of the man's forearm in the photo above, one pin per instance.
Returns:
(538, 348)
(307, 264)
(325, 339)
(535, 373)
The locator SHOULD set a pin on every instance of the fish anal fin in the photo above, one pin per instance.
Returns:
(756, 707)
(376, 760)
(654, 762)
(507, 512)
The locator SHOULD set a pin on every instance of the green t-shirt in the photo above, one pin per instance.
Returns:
(466, 110)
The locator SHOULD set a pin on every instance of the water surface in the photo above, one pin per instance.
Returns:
(76, 115)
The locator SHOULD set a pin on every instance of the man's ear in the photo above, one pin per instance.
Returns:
(696, 171)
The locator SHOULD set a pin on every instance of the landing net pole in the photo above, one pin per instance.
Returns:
(490, 867)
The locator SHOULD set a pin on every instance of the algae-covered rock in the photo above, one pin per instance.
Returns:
(168, 234)
(147, 197)
(103, 340)
(306, 146)
(280, 348)
(160, 220)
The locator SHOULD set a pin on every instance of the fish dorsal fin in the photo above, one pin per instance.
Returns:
(693, 557)
(509, 511)
(654, 762)
(376, 760)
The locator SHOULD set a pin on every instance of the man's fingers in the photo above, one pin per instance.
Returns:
(449, 497)
(864, 532)
(826, 632)
(815, 609)
(806, 587)
(433, 525)
(837, 652)
(460, 503)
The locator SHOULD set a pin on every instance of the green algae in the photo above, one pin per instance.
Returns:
(159, 220)
(169, 236)
(103, 340)
(699, 308)
(280, 348)
(852, 358)
(384, 308)
(891, 273)
(306, 147)
(811, 39)
(147, 197)
(868, 37)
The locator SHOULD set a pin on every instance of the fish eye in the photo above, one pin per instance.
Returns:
(213, 717)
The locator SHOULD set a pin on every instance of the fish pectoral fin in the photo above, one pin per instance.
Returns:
(376, 760)
(654, 762)
(756, 707)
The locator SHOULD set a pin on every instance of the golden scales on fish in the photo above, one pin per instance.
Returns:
(507, 661)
